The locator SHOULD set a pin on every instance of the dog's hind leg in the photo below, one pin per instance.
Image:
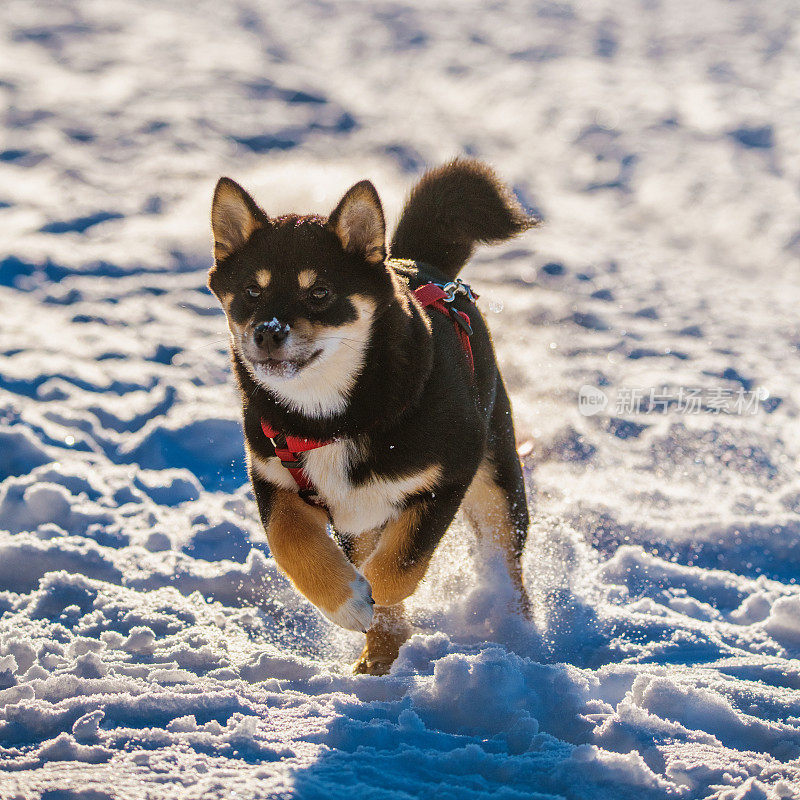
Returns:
(495, 503)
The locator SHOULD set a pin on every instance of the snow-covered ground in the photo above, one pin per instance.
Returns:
(148, 646)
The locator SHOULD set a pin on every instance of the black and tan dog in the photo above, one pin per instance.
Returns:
(393, 431)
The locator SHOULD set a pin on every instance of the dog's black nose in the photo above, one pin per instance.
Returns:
(273, 332)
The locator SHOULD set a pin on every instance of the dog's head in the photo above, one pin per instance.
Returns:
(301, 293)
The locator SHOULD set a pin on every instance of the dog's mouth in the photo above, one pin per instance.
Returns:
(284, 367)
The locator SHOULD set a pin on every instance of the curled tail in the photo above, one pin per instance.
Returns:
(453, 208)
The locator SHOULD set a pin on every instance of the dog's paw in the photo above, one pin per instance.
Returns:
(369, 665)
(356, 613)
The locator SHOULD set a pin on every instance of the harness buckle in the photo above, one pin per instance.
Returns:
(457, 287)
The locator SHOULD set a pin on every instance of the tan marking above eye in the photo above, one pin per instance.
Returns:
(263, 277)
(307, 278)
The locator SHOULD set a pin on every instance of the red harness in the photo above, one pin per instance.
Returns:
(431, 295)
(288, 449)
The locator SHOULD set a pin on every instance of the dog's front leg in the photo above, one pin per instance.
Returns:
(394, 566)
(402, 554)
(319, 570)
(388, 632)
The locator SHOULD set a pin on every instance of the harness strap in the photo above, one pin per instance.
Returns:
(431, 295)
(289, 448)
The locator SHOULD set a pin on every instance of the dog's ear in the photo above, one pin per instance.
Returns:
(359, 223)
(234, 218)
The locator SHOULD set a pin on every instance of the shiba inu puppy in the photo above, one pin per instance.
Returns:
(364, 407)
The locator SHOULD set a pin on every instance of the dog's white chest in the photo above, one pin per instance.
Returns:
(368, 505)
(354, 508)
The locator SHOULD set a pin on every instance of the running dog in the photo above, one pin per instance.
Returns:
(371, 398)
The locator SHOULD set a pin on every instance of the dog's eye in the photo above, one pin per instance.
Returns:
(319, 293)
(253, 291)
